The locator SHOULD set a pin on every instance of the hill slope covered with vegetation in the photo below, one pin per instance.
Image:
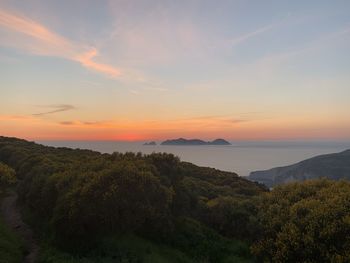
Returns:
(334, 166)
(85, 206)
(82, 198)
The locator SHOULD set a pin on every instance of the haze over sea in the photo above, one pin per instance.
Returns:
(241, 157)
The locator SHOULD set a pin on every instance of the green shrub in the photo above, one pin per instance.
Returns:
(7, 175)
(305, 222)
(11, 247)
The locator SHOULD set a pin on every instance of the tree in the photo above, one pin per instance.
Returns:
(7, 175)
(305, 222)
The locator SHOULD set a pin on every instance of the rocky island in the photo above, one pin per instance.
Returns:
(152, 143)
(182, 141)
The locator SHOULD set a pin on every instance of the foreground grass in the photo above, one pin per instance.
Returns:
(134, 249)
(11, 246)
(127, 249)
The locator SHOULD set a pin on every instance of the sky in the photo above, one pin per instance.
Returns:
(158, 69)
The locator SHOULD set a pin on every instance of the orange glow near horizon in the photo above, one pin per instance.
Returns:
(34, 128)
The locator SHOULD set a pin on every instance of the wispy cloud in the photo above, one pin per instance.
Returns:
(244, 37)
(210, 122)
(91, 83)
(15, 118)
(194, 123)
(85, 123)
(55, 109)
(26, 34)
(273, 61)
(216, 118)
(159, 37)
(86, 60)
(67, 123)
(264, 29)
(135, 92)
(94, 122)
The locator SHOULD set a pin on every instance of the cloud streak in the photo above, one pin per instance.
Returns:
(244, 37)
(26, 34)
(86, 60)
(15, 118)
(55, 109)
(85, 123)
(195, 123)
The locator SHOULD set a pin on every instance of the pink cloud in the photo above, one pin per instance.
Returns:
(86, 60)
(26, 34)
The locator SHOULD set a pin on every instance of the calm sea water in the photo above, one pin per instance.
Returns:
(241, 157)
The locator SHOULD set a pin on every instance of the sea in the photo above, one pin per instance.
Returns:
(242, 157)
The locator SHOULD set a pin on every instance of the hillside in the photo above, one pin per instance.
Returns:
(134, 203)
(86, 207)
(333, 166)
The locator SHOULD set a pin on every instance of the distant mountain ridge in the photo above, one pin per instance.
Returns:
(182, 141)
(333, 166)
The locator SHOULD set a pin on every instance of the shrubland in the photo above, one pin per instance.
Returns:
(91, 207)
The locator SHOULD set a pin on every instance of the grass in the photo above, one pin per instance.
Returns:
(128, 249)
(191, 245)
(11, 246)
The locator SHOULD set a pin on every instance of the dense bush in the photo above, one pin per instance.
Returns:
(305, 222)
(11, 247)
(233, 217)
(7, 175)
(79, 197)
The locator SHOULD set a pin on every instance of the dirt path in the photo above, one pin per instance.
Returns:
(12, 217)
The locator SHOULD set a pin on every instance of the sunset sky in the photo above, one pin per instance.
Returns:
(142, 70)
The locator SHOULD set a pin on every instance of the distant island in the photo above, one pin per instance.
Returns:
(152, 143)
(182, 141)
